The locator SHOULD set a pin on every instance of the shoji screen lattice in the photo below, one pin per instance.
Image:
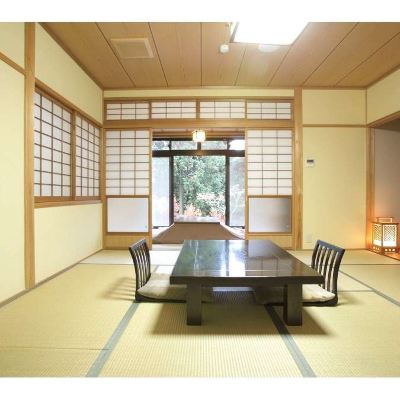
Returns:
(173, 109)
(129, 111)
(268, 110)
(223, 109)
(87, 159)
(269, 162)
(128, 162)
(52, 151)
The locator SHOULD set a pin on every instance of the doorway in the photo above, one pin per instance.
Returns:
(199, 179)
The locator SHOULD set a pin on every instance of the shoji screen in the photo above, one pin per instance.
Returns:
(269, 180)
(87, 155)
(128, 162)
(52, 150)
(128, 176)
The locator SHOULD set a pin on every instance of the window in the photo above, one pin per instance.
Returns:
(87, 159)
(64, 142)
(52, 148)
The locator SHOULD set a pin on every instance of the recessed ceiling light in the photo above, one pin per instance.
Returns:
(270, 32)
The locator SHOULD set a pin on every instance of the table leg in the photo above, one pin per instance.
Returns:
(193, 304)
(293, 302)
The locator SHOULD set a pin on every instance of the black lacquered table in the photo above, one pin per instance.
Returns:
(230, 263)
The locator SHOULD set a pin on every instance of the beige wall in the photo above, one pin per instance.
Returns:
(334, 190)
(383, 98)
(12, 275)
(12, 39)
(65, 235)
(58, 70)
(334, 107)
(199, 92)
(387, 168)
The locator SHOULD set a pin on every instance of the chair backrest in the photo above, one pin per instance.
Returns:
(326, 259)
(141, 260)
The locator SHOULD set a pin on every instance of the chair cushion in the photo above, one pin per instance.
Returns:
(274, 295)
(159, 288)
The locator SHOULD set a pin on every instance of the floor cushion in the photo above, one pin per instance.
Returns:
(274, 295)
(159, 288)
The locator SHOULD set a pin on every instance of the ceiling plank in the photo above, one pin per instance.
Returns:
(257, 67)
(144, 72)
(386, 59)
(361, 43)
(85, 43)
(309, 50)
(219, 69)
(179, 47)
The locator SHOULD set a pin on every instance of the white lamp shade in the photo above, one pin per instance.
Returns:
(199, 136)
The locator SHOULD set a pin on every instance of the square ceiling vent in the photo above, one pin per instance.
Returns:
(129, 48)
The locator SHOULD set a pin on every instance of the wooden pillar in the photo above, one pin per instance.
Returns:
(298, 171)
(28, 154)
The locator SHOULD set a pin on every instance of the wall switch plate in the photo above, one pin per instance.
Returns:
(310, 162)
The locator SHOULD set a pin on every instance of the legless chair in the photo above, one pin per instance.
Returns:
(326, 259)
(141, 260)
(154, 287)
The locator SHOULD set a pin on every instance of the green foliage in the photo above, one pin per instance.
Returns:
(199, 184)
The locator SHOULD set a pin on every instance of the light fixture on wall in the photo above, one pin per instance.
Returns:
(270, 32)
(384, 235)
(199, 136)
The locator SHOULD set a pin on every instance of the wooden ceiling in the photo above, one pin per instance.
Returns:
(326, 54)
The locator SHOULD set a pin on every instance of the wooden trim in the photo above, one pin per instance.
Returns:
(384, 120)
(240, 87)
(202, 98)
(12, 64)
(20, 294)
(298, 172)
(203, 123)
(66, 103)
(333, 125)
(29, 222)
(246, 196)
(65, 203)
(370, 195)
(103, 185)
(150, 209)
(65, 48)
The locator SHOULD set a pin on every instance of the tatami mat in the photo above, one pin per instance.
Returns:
(346, 283)
(357, 338)
(157, 257)
(384, 278)
(234, 341)
(350, 257)
(36, 362)
(78, 309)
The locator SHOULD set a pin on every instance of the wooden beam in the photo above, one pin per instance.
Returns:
(28, 155)
(298, 171)
(206, 123)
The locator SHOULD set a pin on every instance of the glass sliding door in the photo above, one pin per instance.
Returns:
(161, 191)
(236, 191)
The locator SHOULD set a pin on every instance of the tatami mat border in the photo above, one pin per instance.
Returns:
(295, 352)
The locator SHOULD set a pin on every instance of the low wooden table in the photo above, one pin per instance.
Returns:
(230, 263)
